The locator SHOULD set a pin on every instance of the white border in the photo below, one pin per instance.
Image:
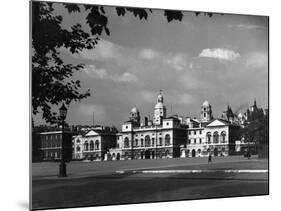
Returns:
(15, 103)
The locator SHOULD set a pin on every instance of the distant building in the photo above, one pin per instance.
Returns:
(51, 145)
(94, 144)
(150, 139)
(210, 136)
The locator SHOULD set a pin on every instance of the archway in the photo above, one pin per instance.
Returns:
(141, 154)
(147, 154)
(216, 152)
(193, 153)
(118, 156)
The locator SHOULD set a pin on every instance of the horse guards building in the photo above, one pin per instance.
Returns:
(164, 136)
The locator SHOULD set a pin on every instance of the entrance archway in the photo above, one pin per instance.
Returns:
(193, 153)
(216, 152)
(118, 156)
(147, 154)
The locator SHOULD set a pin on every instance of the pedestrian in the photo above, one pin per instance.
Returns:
(210, 158)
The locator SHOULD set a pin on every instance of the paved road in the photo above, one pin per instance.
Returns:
(97, 187)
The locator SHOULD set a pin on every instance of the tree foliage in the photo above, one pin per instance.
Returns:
(256, 129)
(51, 76)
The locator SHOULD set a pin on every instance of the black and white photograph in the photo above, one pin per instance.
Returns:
(134, 105)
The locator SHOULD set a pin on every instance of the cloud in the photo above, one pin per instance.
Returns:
(190, 82)
(101, 73)
(148, 54)
(125, 77)
(148, 96)
(220, 53)
(104, 50)
(177, 61)
(245, 26)
(186, 99)
(257, 60)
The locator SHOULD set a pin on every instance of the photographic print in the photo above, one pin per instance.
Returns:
(134, 105)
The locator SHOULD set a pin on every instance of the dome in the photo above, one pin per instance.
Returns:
(206, 104)
(135, 110)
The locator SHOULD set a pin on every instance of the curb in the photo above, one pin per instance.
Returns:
(193, 171)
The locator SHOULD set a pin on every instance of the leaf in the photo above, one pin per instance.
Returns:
(72, 7)
(120, 11)
(173, 15)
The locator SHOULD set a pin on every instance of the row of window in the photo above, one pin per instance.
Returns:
(50, 137)
(151, 134)
(49, 144)
(89, 146)
(147, 142)
(195, 141)
(216, 137)
(194, 132)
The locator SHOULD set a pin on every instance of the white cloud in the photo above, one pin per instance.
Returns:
(178, 62)
(245, 26)
(101, 73)
(148, 54)
(257, 60)
(220, 53)
(103, 50)
(125, 77)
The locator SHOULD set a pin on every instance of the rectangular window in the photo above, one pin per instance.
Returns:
(200, 131)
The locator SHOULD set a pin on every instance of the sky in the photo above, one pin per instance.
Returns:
(222, 59)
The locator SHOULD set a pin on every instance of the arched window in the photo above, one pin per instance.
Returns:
(152, 140)
(97, 145)
(223, 135)
(160, 141)
(209, 137)
(86, 146)
(78, 149)
(136, 142)
(142, 142)
(167, 140)
(199, 151)
(147, 141)
(216, 137)
(126, 142)
(78, 141)
(91, 145)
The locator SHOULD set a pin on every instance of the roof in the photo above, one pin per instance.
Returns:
(57, 132)
(217, 122)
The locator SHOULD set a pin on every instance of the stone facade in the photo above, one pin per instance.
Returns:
(151, 139)
(94, 144)
(51, 145)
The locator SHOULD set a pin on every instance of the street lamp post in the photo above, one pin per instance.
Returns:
(62, 166)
